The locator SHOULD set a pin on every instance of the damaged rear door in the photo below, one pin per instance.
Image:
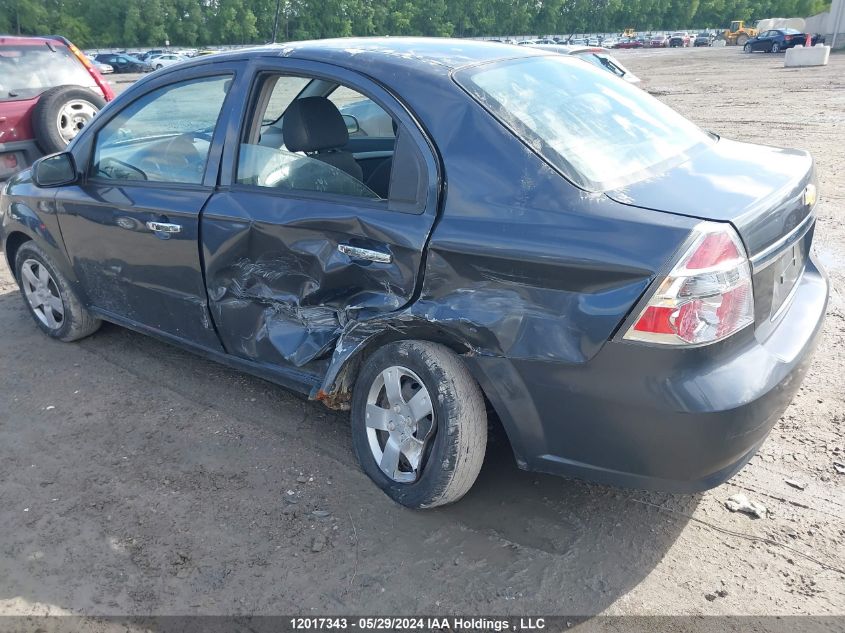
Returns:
(296, 247)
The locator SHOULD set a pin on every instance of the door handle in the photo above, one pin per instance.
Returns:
(164, 227)
(356, 252)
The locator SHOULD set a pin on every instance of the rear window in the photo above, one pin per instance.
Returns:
(600, 132)
(27, 71)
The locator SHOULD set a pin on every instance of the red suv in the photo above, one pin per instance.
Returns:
(48, 91)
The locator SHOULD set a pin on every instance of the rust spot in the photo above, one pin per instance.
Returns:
(338, 400)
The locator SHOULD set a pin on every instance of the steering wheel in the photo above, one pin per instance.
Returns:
(119, 170)
(176, 157)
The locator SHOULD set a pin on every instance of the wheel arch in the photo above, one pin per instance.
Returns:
(14, 241)
(34, 230)
(361, 341)
(354, 348)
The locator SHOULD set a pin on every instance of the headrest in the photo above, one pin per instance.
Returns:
(312, 124)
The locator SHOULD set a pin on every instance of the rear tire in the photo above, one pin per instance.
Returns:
(442, 450)
(775, 47)
(60, 113)
(52, 302)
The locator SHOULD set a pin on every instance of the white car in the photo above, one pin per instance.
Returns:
(104, 69)
(164, 59)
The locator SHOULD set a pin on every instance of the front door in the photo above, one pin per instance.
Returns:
(303, 240)
(132, 226)
(763, 42)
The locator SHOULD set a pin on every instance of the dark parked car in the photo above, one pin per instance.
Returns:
(635, 298)
(123, 63)
(704, 39)
(775, 41)
(48, 91)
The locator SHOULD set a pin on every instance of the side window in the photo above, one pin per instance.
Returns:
(280, 92)
(164, 136)
(364, 117)
(299, 139)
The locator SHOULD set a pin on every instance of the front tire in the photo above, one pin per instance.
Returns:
(419, 423)
(52, 302)
(746, 48)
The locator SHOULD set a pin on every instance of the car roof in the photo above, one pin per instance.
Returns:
(19, 40)
(438, 55)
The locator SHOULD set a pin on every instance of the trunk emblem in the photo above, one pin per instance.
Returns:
(809, 195)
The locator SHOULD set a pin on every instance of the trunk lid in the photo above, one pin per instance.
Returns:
(758, 189)
(766, 193)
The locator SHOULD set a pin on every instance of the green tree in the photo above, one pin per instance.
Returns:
(138, 23)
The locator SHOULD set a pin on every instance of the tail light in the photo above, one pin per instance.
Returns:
(788, 38)
(102, 84)
(705, 298)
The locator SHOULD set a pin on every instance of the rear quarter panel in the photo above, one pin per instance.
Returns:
(522, 262)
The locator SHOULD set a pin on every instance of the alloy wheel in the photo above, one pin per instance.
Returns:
(42, 294)
(400, 422)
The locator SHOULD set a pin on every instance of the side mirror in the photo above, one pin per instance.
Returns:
(351, 124)
(55, 170)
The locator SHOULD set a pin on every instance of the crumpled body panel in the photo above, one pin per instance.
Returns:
(520, 263)
(279, 288)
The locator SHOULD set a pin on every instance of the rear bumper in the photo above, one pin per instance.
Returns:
(25, 151)
(648, 417)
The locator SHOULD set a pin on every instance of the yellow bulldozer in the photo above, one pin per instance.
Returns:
(738, 34)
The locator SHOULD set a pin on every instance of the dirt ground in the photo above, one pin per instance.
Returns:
(136, 478)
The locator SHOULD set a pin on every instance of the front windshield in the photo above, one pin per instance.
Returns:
(599, 131)
(27, 71)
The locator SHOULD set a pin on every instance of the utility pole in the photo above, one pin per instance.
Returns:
(276, 21)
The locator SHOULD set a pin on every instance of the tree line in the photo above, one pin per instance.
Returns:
(136, 23)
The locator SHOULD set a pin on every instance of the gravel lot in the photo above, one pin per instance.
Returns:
(138, 479)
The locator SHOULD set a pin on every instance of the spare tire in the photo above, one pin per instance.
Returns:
(60, 113)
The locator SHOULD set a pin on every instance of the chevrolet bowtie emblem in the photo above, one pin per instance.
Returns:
(809, 195)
